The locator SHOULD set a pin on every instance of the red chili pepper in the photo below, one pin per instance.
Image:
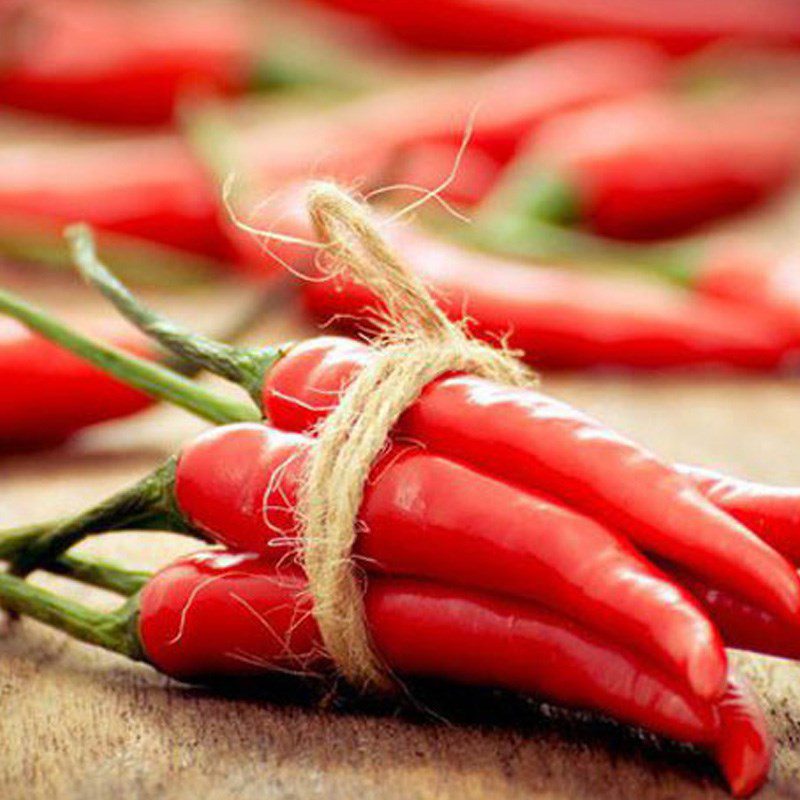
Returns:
(744, 750)
(558, 318)
(149, 187)
(506, 104)
(657, 167)
(566, 319)
(51, 394)
(53, 391)
(743, 625)
(119, 63)
(503, 26)
(771, 512)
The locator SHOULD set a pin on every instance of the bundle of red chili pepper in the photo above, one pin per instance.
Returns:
(608, 632)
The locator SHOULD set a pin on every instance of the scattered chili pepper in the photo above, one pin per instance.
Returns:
(223, 614)
(558, 318)
(120, 63)
(146, 186)
(563, 319)
(501, 107)
(53, 394)
(536, 442)
(657, 166)
(501, 26)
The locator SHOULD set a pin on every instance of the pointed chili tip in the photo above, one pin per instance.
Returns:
(707, 668)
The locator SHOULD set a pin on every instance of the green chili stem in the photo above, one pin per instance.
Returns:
(298, 60)
(79, 568)
(96, 573)
(244, 366)
(149, 377)
(519, 237)
(115, 631)
(100, 573)
(147, 503)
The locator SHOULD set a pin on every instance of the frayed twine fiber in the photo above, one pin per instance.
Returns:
(419, 343)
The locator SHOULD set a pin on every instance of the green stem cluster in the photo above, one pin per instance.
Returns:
(244, 366)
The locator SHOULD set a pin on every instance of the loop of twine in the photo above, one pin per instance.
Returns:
(419, 344)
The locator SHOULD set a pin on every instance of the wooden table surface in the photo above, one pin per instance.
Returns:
(76, 722)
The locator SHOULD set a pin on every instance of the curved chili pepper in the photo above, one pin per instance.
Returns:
(59, 381)
(564, 319)
(428, 517)
(119, 63)
(147, 186)
(501, 107)
(771, 512)
(744, 750)
(509, 25)
(655, 167)
(521, 436)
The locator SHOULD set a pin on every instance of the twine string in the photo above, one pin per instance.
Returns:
(418, 344)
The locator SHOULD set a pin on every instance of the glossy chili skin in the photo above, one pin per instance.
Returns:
(234, 614)
(743, 625)
(50, 394)
(530, 439)
(657, 167)
(145, 186)
(428, 517)
(119, 63)
(745, 747)
(501, 26)
(770, 512)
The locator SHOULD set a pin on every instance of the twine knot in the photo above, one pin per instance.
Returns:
(418, 344)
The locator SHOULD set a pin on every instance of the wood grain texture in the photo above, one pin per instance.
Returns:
(79, 723)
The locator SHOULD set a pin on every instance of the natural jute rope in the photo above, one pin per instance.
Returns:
(419, 344)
